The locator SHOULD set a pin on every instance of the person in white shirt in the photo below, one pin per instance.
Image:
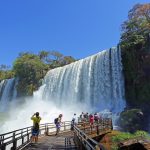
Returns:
(73, 121)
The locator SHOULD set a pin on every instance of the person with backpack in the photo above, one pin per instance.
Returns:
(57, 122)
(35, 129)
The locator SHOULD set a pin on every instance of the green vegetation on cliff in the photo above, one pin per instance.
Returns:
(125, 136)
(135, 45)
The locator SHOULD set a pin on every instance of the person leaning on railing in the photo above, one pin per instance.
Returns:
(73, 121)
(35, 129)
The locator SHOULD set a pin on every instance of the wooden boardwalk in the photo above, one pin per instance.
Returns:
(62, 141)
(80, 138)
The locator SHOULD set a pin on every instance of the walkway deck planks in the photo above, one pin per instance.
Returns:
(60, 142)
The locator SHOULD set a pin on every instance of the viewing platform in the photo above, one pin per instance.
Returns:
(80, 138)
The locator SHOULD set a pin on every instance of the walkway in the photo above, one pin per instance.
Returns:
(62, 141)
(81, 138)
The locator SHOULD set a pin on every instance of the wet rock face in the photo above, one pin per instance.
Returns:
(131, 120)
(136, 68)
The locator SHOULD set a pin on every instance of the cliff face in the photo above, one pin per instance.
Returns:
(135, 45)
(136, 68)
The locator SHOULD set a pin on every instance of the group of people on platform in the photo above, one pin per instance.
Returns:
(58, 121)
(90, 117)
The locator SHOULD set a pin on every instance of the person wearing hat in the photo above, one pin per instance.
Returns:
(35, 129)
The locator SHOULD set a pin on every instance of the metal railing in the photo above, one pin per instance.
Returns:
(103, 125)
(17, 139)
(83, 131)
(84, 141)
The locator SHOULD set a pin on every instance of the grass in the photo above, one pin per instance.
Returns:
(122, 136)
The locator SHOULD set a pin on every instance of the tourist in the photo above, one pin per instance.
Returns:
(91, 120)
(73, 121)
(96, 118)
(58, 123)
(87, 116)
(35, 129)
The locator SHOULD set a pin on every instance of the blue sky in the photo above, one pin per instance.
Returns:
(77, 28)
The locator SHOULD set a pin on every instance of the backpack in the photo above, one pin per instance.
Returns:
(36, 126)
(56, 120)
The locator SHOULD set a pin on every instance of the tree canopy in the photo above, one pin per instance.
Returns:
(136, 30)
(30, 68)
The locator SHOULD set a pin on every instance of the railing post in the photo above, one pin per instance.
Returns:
(1, 140)
(97, 129)
(111, 124)
(39, 129)
(91, 127)
(84, 127)
(22, 136)
(28, 139)
(2, 144)
(14, 142)
(64, 126)
(103, 123)
(46, 129)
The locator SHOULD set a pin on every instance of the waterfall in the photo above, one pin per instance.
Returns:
(90, 85)
(96, 82)
(7, 93)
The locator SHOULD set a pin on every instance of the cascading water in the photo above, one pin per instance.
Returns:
(7, 93)
(95, 82)
(91, 84)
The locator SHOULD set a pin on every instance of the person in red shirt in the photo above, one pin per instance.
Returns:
(91, 119)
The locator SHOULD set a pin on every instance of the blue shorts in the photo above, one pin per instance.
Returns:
(58, 125)
(35, 132)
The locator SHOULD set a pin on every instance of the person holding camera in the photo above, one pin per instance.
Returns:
(35, 129)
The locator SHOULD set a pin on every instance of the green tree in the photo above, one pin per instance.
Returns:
(44, 55)
(67, 60)
(5, 72)
(135, 31)
(55, 59)
(29, 69)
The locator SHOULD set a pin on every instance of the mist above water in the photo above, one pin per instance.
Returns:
(19, 114)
